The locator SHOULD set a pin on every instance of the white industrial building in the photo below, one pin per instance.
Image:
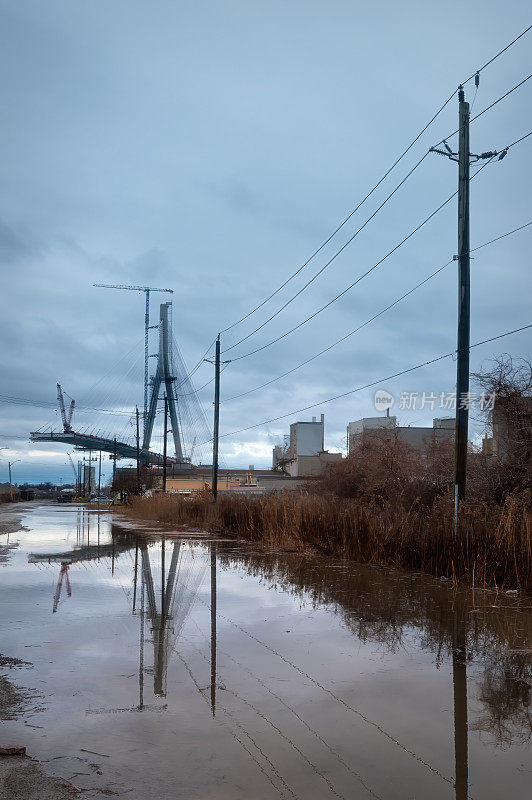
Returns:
(304, 455)
(419, 438)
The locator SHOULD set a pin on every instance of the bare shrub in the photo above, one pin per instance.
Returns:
(494, 548)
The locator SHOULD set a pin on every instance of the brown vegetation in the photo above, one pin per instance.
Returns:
(388, 503)
(494, 547)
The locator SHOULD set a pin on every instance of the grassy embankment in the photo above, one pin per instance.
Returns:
(494, 548)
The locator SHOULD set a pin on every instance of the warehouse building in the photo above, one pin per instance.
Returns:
(419, 438)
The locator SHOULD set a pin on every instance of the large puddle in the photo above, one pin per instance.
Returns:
(185, 667)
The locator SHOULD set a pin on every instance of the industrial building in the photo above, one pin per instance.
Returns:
(304, 454)
(419, 438)
(511, 422)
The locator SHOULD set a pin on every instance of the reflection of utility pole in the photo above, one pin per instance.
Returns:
(213, 628)
(141, 654)
(135, 574)
(460, 704)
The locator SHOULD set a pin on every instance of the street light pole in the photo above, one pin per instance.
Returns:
(9, 465)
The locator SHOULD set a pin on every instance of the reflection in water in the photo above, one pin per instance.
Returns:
(377, 606)
(383, 606)
(63, 574)
(460, 703)
(213, 628)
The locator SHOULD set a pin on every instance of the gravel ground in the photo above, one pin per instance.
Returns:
(21, 777)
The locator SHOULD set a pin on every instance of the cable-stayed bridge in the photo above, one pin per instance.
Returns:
(187, 420)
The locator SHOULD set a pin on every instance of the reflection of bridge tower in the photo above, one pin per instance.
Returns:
(161, 621)
(167, 607)
(164, 375)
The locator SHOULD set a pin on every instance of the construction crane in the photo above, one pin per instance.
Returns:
(67, 418)
(74, 470)
(146, 290)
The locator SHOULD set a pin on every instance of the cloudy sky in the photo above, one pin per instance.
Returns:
(211, 148)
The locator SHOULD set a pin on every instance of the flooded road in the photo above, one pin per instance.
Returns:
(189, 667)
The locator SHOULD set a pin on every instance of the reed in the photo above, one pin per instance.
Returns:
(493, 549)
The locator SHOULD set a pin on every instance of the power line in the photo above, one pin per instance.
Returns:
(348, 242)
(198, 365)
(345, 221)
(480, 113)
(495, 57)
(373, 318)
(374, 383)
(378, 263)
(379, 182)
(24, 401)
(334, 257)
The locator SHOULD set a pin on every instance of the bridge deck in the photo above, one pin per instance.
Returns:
(86, 441)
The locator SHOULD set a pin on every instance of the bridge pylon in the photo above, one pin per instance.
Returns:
(164, 375)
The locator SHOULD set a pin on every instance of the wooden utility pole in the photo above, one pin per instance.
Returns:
(462, 363)
(165, 436)
(100, 476)
(138, 450)
(464, 159)
(216, 420)
(114, 464)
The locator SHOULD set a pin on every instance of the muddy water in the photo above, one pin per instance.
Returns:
(194, 668)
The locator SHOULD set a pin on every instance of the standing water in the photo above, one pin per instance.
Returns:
(183, 666)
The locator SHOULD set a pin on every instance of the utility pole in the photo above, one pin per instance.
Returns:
(464, 305)
(464, 159)
(216, 431)
(138, 449)
(114, 464)
(165, 444)
(100, 475)
(9, 465)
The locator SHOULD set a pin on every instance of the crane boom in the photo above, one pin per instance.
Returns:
(73, 467)
(131, 288)
(66, 418)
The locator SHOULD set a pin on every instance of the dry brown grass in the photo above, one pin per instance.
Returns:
(494, 548)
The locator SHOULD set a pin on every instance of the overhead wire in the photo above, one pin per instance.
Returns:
(377, 264)
(330, 261)
(488, 108)
(375, 383)
(374, 317)
(379, 182)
